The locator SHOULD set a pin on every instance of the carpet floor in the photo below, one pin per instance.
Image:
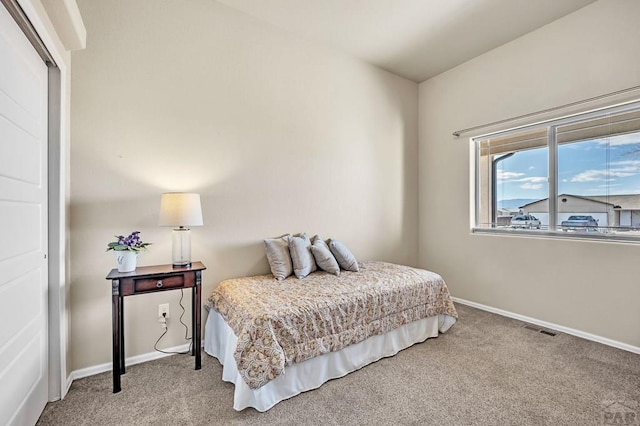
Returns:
(486, 370)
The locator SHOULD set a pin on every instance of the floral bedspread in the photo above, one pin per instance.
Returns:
(283, 322)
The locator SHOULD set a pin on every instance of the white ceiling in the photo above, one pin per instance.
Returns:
(416, 39)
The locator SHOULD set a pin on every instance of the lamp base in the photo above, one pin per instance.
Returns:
(181, 255)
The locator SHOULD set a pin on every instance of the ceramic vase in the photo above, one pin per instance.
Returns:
(126, 260)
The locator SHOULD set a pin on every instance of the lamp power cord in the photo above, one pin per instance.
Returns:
(166, 329)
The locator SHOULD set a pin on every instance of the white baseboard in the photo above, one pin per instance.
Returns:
(552, 326)
(69, 381)
(101, 368)
(150, 356)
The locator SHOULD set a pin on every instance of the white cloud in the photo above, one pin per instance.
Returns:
(635, 163)
(502, 175)
(604, 175)
(533, 179)
(628, 139)
(530, 182)
(532, 167)
(529, 185)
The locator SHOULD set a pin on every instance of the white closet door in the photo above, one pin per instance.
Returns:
(23, 227)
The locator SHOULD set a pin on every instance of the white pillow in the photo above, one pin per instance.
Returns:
(323, 256)
(301, 257)
(343, 255)
(277, 250)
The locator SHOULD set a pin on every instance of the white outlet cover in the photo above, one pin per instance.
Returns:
(163, 308)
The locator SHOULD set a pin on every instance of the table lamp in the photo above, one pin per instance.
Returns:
(181, 210)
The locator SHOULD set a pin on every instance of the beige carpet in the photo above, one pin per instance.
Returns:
(487, 370)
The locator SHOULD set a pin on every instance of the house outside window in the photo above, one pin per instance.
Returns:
(578, 176)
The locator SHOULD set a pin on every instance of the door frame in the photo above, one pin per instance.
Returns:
(58, 189)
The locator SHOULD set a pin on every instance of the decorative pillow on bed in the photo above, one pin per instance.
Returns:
(323, 256)
(343, 255)
(277, 250)
(301, 257)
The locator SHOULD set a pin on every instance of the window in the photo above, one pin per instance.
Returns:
(576, 175)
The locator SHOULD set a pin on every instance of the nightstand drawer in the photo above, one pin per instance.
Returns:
(154, 284)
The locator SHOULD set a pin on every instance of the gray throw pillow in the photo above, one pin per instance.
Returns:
(345, 258)
(301, 257)
(323, 256)
(277, 250)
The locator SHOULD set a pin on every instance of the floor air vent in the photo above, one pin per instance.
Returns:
(539, 330)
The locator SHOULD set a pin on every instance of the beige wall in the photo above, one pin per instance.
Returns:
(277, 134)
(588, 286)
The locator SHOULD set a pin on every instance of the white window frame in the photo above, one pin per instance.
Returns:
(551, 125)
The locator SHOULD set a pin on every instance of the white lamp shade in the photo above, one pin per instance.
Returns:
(180, 209)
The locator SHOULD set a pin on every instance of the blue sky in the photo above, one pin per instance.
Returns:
(608, 166)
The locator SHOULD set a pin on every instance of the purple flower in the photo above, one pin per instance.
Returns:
(131, 242)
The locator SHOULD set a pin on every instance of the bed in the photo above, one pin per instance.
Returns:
(276, 339)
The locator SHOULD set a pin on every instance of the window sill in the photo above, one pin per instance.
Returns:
(560, 235)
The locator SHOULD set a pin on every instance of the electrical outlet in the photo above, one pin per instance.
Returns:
(163, 308)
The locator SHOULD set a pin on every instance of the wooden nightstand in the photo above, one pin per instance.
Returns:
(150, 279)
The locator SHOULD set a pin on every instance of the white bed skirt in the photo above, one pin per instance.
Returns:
(220, 342)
